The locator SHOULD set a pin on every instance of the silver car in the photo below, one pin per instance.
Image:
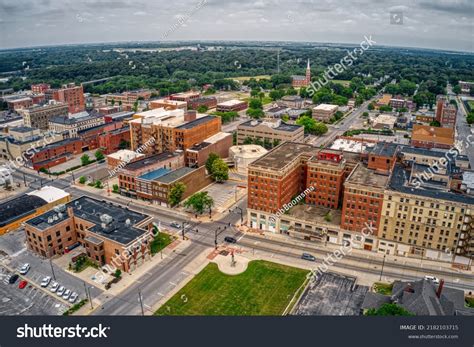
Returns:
(66, 294)
(24, 269)
(54, 287)
(45, 281)
(73, 298)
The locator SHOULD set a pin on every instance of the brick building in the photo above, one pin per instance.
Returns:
(233, 105)
(208, 101)
(39, 116)
(219, 144)
(40, 88)
(431, 137)
(126, 100)
(72, 95)
(109, 234)
(302, 81)
(186, 97)
(269, 131)
(324, 112)
(168, 104)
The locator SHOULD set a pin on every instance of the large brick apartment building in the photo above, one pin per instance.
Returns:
(382, 191)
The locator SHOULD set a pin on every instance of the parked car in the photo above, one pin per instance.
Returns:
(24, 269)
(230, 239)
(433, 279)
(22, 284)
(13, 278)
(307, 256)
(60, 291)
(45, 282)
(73, 298)
(175, 225)
(54, 287)
(66, 294)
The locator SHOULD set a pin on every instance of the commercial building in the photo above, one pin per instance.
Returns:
(383, 121)
(16, 211)
(18, 102)
(302, 81)
(40, 88)
(208, 101)
(276, 111)
(155, 186)
(324, 112)
(219, 144)
(445, 112)
(185, 97)
(71, 95)
(168, 104)
(39, 116)
(432, 137)
(162, 130)
(127, 100)
(129, 174)
(122, 158)
(293, 101)
(110, 234)
(466, 86)
(74, 123)
(231, 105)
(269, 131)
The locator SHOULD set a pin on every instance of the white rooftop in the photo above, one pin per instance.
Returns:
(232, 102)
(350, 145)
(125, 155)
(325, 107)
(49, 193)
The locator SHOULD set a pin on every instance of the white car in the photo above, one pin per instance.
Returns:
(175, 225)
(73, 298)
(45, 282)
(54, 287)
(433, 279)
(60, 291)
(66, 294)
(24, 269)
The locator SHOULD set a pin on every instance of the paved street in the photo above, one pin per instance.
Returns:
(463, 131)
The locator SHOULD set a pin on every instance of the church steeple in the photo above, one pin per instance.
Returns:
(308, 74)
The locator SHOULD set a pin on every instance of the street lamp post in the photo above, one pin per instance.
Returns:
(182, 229)
(381, 271)
(215, 237)
(141, 302)
(51, 263)
(88, 294)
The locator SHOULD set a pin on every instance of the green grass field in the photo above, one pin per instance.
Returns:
(263, 289)
(471, 104)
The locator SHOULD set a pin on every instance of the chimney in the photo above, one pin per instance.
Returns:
(190, 115)
(70, 212)
(440, 288)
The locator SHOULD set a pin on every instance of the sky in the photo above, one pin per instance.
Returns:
(439, 24)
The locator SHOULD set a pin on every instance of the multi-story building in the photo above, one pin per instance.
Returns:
(40, 88)
(432, 137)
(73, 124)
(219, 144)
(269, 131)
(233, 105)
(72, 95)
(155, 186)
(148, 167)
(106, 231)
(445, 112)
(19, 102)
(324, 112)
(185, 97)
(293, 101)
(127, 100)
(466, 86)
(162, 130)
(208, 101)
(39, 116)
(168, 104)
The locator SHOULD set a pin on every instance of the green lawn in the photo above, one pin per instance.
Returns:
(470, 302)
(159, 242)
(263, 289)
(383, 288)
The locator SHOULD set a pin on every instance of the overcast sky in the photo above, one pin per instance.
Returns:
(442, 24)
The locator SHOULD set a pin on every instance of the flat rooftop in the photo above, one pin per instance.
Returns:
(315, 214)
(196, 122)
(325, 107)
(282, 155)
(385, 149)
(118, 222)
(151, 160)
(367, 177)
(175, 175)
(282, 126)
(399, 181)
(155, 174)
(232, 102)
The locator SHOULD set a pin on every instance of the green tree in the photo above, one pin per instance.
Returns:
(220, 170)
(199, 202)
(115, 188)
(248, 141)
(202, 109)
(385, 108)
(388, 310)
(255, 113)
(124, 144)
(85, 160)
(82, 180)
(176, 193)
(210, 160)
(371, 106)
(255, 103)
(285, 118)
(99, 155)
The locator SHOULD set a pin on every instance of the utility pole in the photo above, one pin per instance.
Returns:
(88, 294)
(215, 237)
(141, 302)
(51, 264)
(182, 229)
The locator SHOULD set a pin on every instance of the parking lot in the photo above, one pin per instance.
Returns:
(225, 194)
(332, 295)
(27, 301)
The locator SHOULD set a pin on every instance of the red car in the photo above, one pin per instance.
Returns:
(22, 284)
